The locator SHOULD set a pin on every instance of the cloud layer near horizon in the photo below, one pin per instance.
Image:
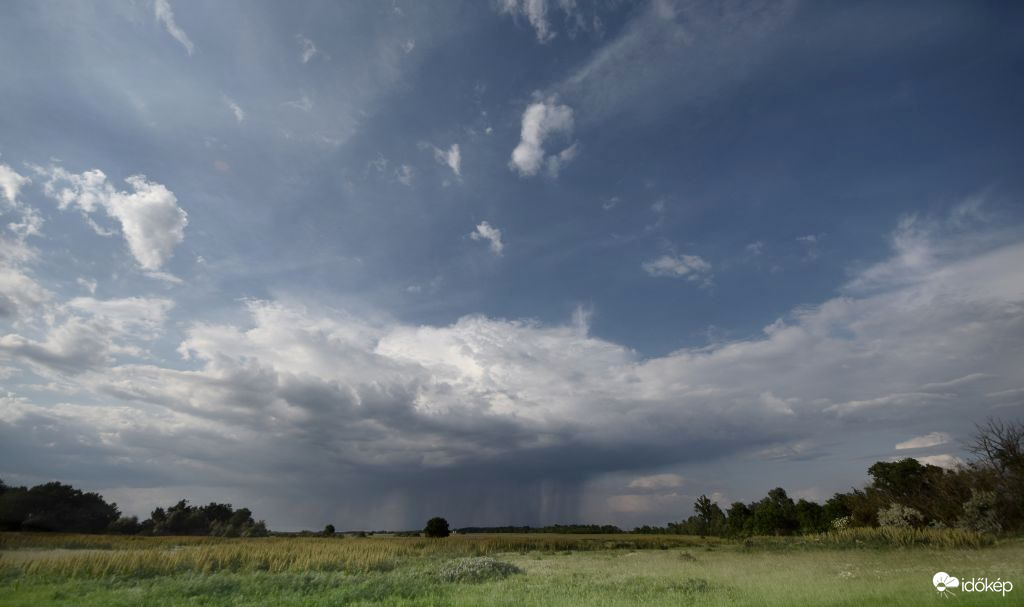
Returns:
(298, 387)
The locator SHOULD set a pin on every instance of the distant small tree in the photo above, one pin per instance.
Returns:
(437, 527)
(329, 530)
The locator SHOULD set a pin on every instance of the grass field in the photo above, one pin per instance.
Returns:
(862, 567)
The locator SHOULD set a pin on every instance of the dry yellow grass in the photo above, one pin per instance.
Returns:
(91, 556)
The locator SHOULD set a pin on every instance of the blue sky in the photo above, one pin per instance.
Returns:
(513, 262)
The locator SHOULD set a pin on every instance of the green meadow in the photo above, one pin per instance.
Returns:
(857, 567)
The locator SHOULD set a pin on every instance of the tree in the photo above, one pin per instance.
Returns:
(59, 507)
(329, 530)
(703, 508)
(775, 514)
(710, 518)
(220, 513)
(811, 516)
(437, 527)
(999, 448)
(739, 519)
(910, 483)
(835, 508)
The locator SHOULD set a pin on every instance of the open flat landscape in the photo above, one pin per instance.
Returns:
(511, 302)
(543, 569)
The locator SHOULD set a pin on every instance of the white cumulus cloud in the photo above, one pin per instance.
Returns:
(19, 294)
(11, 183)
(150, 218)
(484, 231)
(691, 267)
(452, 158)
(540, 121)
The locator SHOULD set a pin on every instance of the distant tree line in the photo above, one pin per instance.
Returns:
(985, 495)
(588, 529)
(62, 508)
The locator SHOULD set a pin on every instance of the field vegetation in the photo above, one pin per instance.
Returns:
(846, 567)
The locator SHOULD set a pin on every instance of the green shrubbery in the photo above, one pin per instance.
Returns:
(985, 495)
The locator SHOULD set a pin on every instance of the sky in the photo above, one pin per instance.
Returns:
(509, 262)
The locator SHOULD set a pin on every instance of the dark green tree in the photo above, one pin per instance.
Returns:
(710, 518)
(811, 517)
(329, 530)
(59, 507)
(775, 514)
(739, 520)
(437, 527)
(836, 507)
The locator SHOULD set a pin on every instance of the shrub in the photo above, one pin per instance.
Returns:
(477, 569)
(898, 515)
(980, 513)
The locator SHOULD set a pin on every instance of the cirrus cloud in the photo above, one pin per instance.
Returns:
(165, 15)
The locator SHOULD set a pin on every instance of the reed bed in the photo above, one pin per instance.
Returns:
(148, 556)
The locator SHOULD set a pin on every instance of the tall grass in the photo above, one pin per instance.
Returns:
(98, 556)
(83, 555)
(878, 537)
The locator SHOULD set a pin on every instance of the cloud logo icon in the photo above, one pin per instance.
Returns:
(943, 582)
